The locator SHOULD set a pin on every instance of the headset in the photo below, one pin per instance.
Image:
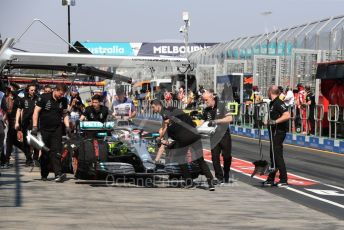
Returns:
(28, 87)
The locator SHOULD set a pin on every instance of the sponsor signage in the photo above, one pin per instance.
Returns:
(170, 49)
(143, 49)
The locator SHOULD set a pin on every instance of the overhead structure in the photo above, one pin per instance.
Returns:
(283, 56)
(12, 58)
(30, 80)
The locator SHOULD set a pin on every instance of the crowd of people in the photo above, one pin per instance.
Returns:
(299, 100)
(53, 115)
(189, 100)
(52, 112)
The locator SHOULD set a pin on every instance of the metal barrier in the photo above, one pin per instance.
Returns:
(318, 118)
(250, 112)
(292, 111)
(333, 116)
(304, 118)
(263, 113)
(243, 114)
(247, 116)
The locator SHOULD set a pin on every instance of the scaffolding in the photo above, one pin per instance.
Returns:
(285, 56)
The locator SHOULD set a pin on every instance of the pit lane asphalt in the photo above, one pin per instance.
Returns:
(324, 167)
(29, 203)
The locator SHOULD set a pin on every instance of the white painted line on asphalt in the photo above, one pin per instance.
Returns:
(336, 187)
(292, 189)
(325, 192)
(315, 197)
(292, 174)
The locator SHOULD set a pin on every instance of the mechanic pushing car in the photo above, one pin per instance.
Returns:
(217, 114)
(181, 129)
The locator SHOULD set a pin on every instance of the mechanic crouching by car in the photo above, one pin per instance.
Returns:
(217, 114)
(51, 112)
(181, 129)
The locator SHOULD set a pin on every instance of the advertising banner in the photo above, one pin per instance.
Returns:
(142, 49)
(170, 49)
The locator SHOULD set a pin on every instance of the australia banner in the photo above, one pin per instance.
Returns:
(143, 49)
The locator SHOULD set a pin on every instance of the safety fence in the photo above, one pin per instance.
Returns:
(284, 57)
(315, 120)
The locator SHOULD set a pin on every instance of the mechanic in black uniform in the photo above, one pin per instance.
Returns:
(51, 109)
(216, 113)
(24, 115)
(180, 127)
(12, 101)
(278, 127)
(96, 111)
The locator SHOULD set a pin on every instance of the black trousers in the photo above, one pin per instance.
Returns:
(10, 141)
(277, 137)
(2, 138)
(53, 140)
(224, 147)
(311, 120)
(197, 150)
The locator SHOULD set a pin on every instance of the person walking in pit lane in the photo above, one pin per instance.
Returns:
(24, 119)
(49, 116)
(12, 101)
(278, 127)
(217, 114)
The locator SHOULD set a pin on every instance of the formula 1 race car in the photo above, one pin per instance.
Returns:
(118, 149)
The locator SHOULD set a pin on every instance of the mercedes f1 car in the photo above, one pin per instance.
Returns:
(128, 153)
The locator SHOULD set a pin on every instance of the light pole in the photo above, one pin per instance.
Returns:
(185, 29)
(265, 14)
(68, 3)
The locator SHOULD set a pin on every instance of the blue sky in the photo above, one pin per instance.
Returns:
(154, 20)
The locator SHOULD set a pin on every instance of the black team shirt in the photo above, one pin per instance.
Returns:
(27, 104)
(181, 128)
(96, 115)
(51, 115)
(277, 108)
(219, 111)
